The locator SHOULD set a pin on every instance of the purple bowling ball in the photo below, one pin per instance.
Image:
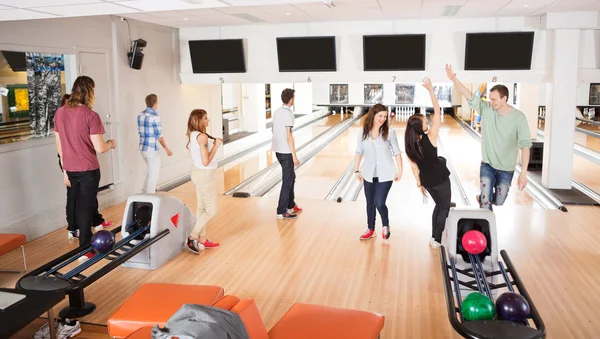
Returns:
(103, 241)
(512, 306)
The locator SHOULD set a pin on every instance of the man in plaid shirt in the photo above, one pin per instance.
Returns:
(150, 131)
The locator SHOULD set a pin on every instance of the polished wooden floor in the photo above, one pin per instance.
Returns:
(584, 170)
(319, 259)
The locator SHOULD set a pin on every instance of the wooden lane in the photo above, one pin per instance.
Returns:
(319, 259)
(236, 172)
(582, 139)
(584, 170)
(317, 176)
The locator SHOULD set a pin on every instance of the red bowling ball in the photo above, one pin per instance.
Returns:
(474, 242)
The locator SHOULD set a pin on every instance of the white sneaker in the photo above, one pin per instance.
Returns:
(435, 245)
(44, 331)
(431, 241)
(68, 329)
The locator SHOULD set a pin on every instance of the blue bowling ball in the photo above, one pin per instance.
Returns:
(103, 241)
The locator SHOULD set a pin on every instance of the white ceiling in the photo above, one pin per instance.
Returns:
(198, 13)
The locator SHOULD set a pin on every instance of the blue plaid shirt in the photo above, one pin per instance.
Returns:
(150, 129)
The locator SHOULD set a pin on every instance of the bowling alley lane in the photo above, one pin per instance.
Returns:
(316, 177)
(235, 172)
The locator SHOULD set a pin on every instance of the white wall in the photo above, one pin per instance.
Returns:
(445, 44)
(32, 194)
(230, 95)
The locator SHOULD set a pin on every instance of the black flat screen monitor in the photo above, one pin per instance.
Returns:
(307, 54)
(218, 56)
(16, 60)
(498, 51)
(405, 52)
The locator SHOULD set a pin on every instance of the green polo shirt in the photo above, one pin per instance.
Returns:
(501, 135)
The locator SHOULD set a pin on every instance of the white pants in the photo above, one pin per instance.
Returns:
(152, 159)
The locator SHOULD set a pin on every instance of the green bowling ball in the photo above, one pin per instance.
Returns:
(477, 306)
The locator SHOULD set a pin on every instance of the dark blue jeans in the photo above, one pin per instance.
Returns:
(376, 193)
(288, 178)
(494, 186)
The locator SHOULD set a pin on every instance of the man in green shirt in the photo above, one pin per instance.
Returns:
(504, 130)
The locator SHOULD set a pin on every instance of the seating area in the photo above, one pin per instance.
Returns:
(154, 304)
(10, 242)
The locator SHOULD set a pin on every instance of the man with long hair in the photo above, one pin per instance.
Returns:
(72, 230)
(78, 131)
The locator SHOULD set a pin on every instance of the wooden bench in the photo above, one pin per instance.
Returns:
(10, 242)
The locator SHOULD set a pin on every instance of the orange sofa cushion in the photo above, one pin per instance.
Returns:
(246, 309)
(142, 333)
(154, 304)
(10, 242)
(316, 322)
(248, 312)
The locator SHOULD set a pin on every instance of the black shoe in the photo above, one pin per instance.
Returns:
(286, 215)
(194, 246)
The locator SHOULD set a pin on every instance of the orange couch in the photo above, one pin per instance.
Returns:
(10, 242)
(154, 304)
(300, 321)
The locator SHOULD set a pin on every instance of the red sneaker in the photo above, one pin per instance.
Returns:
(104, 225)
(210, 244)
(368, 235)
(297, 209)
(87, 256)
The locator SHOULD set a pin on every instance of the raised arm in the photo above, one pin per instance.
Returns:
(436, 121)
(461, 88)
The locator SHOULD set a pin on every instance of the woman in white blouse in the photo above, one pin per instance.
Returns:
(378, 145)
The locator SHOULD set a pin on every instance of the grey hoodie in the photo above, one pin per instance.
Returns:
(200, 321)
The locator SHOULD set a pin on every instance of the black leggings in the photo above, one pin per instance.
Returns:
(441, 194)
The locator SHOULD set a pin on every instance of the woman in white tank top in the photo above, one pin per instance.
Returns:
(202, 175)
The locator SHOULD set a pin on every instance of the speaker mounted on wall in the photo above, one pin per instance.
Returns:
(135, 55)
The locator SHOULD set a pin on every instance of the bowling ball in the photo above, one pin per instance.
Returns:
(103, 241)
(474, 242)
(477, 306)
(512, 306)
(393, 114)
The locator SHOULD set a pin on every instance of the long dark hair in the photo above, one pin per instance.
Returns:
(195, 124)
(82, 92)
(370, 121)
(64, 99)
(412, 145)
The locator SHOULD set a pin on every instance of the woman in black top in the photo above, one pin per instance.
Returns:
(429, 169)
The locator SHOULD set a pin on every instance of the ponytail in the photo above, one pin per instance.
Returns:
(414, 129)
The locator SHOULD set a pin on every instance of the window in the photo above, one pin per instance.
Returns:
(31, 87)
